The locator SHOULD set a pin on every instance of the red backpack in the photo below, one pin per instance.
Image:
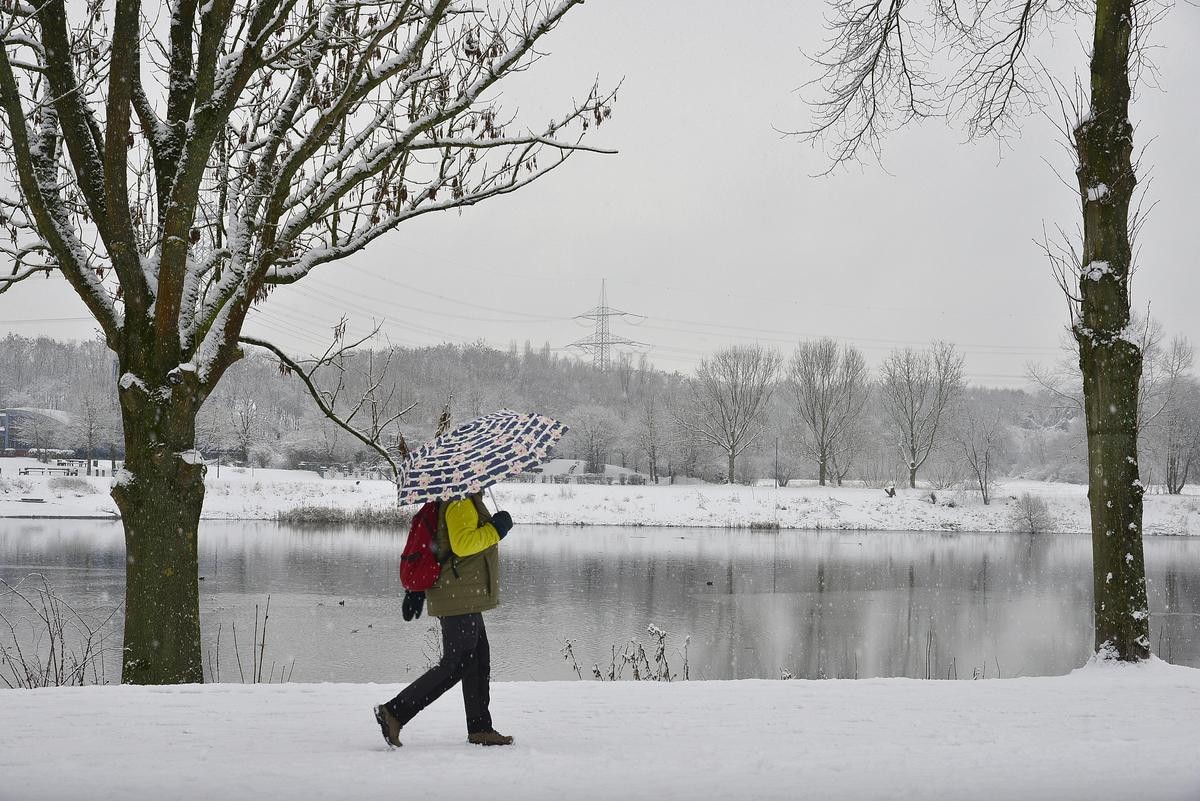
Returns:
(419, 565)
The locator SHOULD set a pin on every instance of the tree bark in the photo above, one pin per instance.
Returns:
(160, 495)
(912, 475)
(821, 467)
(1110, 362)
(731, 471)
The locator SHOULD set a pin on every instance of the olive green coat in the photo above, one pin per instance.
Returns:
(466, 584)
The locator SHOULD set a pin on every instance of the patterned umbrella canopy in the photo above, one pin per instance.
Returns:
(476, 455)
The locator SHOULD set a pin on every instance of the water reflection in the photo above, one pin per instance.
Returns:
(754, 604)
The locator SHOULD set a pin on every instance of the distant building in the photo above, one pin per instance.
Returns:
(21, 427)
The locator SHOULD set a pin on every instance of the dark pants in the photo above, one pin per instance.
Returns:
(465, 658)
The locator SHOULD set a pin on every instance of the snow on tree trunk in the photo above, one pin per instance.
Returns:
(1110, 360)
(160, 494)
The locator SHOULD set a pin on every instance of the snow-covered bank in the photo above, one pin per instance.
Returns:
(813, 507)
(262, 494)
(1102, 732)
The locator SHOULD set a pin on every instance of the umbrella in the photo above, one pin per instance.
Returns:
(476, 455)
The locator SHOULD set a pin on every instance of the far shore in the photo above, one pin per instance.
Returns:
(266, 494)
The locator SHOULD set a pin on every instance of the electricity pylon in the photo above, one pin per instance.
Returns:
(600, 343)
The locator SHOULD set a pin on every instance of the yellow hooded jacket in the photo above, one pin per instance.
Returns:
(470, 578)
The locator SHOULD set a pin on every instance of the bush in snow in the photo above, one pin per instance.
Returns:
(641, 666)
(1030, 514)
(79, 486)
(387, 517)
(260, 456)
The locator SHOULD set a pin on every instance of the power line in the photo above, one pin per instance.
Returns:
(48, 320)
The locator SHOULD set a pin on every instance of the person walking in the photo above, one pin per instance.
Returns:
(469, 585)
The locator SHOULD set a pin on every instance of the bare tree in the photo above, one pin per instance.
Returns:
(92, 422)
(330, 448)
(981, 438)
(683, 449)
(730, 394)
(623, 369)
(1164, 364)
(594, 430)
(851, 445)
(916, 390)
(1177, 436)
(176, 171)
(649, 434)
(888, 63)
(829, 390)
(245, 427)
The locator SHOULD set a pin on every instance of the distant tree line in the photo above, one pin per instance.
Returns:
(747, 414)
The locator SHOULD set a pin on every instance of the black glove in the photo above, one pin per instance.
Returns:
(414, 602)
(503, 522)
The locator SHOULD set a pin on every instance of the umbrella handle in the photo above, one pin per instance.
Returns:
(495, 506)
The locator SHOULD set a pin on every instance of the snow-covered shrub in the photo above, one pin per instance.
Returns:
(382, 517)
(261, 456)
(753, 466)
(1030, 514)
(641, 666)
(945, 471)
(75, 484)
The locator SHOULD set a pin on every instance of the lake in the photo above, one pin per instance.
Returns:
(749, 604)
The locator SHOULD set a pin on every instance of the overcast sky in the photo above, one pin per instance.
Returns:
(709, 223)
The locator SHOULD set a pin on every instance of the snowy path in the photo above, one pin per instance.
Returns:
(1026, 739)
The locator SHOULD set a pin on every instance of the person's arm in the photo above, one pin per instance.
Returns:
(467, 537)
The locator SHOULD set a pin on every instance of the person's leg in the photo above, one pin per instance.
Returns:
(459, 636)
(475, 684)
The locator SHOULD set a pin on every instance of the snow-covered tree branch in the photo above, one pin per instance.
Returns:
(174, 170)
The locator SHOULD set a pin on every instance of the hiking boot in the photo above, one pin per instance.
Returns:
(389, 724)
(489, 737)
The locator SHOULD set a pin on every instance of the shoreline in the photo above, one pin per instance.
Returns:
(242, 494)
(617, 524)
(623, 524)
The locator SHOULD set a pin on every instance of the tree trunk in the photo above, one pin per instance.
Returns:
(1110, 363)
(731, 466)
(912, 475)
(160, 494)
(821, 470)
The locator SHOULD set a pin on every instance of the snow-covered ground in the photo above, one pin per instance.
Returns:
(1102, 732)
(261, 494)
(813, 507)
